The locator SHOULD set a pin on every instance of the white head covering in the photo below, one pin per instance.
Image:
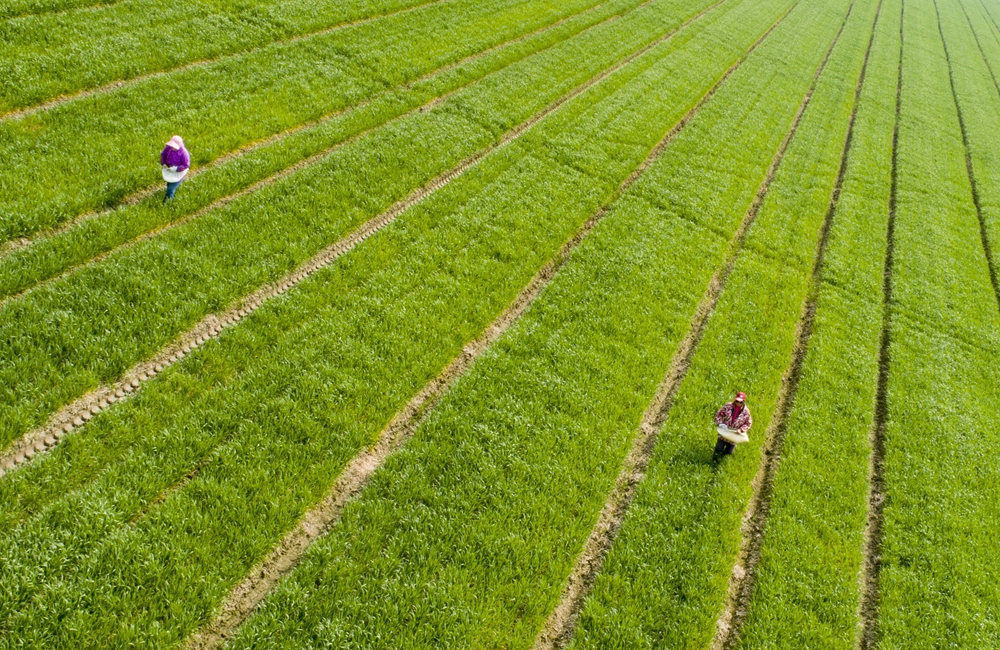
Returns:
(175, 142)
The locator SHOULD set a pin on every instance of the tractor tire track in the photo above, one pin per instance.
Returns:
(868, 609)
(561, 625)
(752, 533)
(134, 198)
(983, 234)
(979, 44)
(20, 113)
(81, 410)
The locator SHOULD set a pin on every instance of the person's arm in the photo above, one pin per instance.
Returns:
(746, 420)
(721, 416)
(185, 160)
(163, 157)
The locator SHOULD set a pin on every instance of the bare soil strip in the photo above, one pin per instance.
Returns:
(20, 113)
(871, 564)
(78, 412)
(987, 248)
(560, 627)
(136, 197)
(754, 527)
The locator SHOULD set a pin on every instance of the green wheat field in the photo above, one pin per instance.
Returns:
(425, 352)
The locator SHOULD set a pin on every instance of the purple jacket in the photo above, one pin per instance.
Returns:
(180, 157)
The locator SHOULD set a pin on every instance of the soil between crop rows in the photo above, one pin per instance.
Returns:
(877, 492)
(585, 594)
(987, 249)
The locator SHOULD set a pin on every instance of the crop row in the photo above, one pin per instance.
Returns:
(65, 53)
(977, 93)
(666, 578)
(231, 103)
(112, 314)
(400, 307)
(990, 15)
(806, 590)
(467, 535)
(985, 31)
(24, 8)
(939, 523)
(245, 171)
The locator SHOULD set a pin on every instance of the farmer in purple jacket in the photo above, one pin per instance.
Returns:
(175, 162)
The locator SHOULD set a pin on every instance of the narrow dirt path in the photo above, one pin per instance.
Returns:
(744, 574)
(79, 411)
(868, 608)
(134, 198)
(560, 627)
(21, 113)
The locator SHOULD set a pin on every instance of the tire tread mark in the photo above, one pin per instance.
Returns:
(561, 624)
(970, 171)
(868, 608)
(246, 596)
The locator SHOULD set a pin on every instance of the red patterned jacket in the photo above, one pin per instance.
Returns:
(741, 423)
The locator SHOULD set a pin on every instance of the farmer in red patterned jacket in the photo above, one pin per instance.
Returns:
(733, 421)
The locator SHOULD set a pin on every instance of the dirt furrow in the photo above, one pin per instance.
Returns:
(984, 236)
(754, 526)
(871, 563)
(78, 412)
(136, 197)
(20, 113)
(979, 44)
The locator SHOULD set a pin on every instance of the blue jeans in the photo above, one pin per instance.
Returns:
(172, 189)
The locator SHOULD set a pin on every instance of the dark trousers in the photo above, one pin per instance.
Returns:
(171, 190)
(724, 447)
